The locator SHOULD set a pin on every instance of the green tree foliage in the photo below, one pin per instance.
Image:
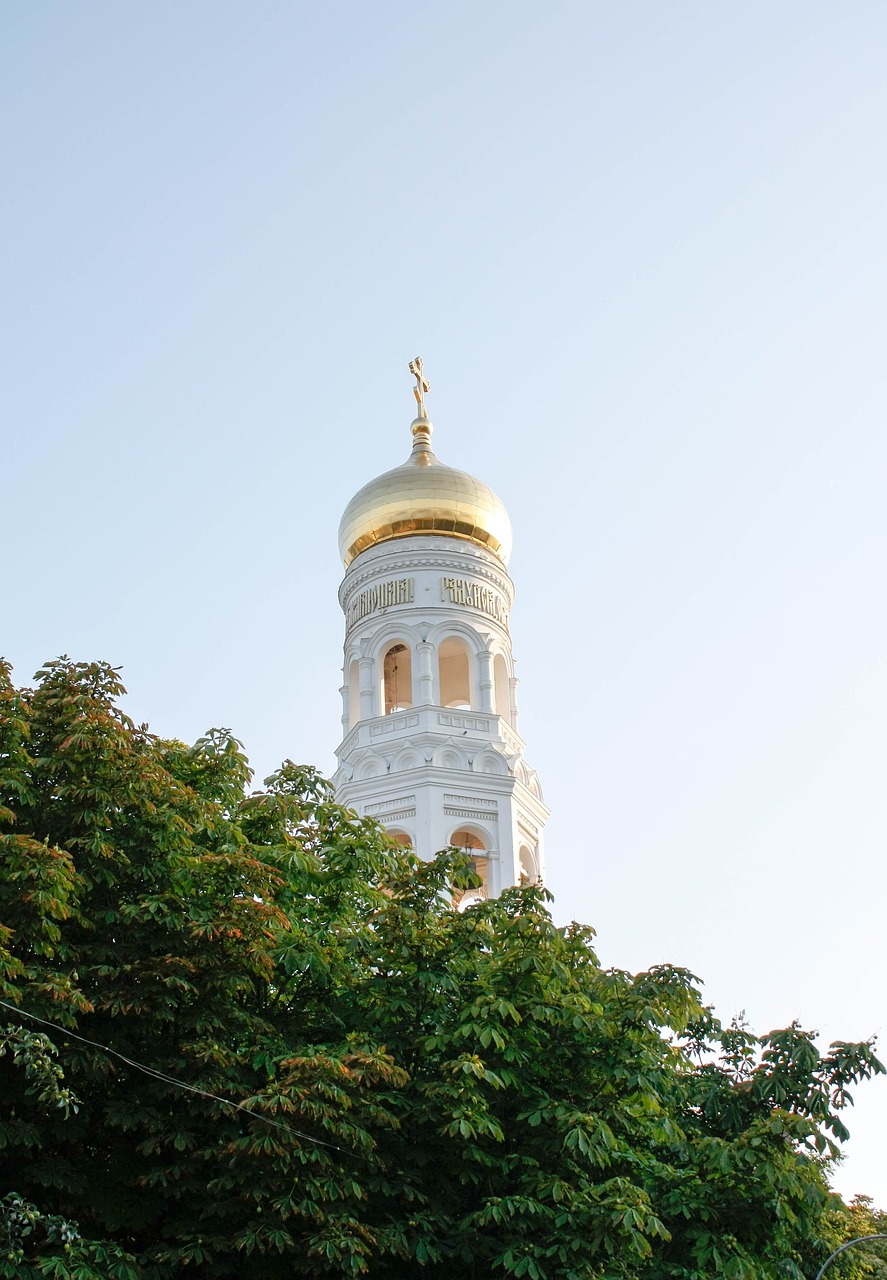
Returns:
(860, 1221)
(271, 1047)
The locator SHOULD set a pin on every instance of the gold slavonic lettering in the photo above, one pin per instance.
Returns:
(382, 596)
(476, 596)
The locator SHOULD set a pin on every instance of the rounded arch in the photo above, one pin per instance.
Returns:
(393, 677)
(474, 841)
(529, 865)
(352, 654)
(490, 762)
(401, 836)
(454, 627)
(397, 677)
(468, 836)
(442, 635)
(499, 650)
(371, 767)
(449, 756)
(393, 629)
(455, 672)
(468, 898)
(408, 758)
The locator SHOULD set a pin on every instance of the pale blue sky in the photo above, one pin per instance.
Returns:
(641, 248)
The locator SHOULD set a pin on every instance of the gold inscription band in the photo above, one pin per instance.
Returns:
(463, 591)
(397, 591)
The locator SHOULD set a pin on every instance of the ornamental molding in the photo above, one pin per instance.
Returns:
(473, 815)
(398, 802)
(428, 726)
(391, 724)
(396, 815)
(466, 721)
(528, 827)
(477, 804)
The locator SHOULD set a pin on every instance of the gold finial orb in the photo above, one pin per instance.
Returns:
(424, 496)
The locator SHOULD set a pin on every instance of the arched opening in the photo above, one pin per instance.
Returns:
(397, 679)
(455, 673)
(468, 841)
(401, 838)
(501, 689)
(353, 694)
(529, 867)
(473, 845)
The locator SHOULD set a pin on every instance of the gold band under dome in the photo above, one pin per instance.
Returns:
(423, 496)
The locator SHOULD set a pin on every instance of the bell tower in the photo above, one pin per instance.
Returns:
(430, 746)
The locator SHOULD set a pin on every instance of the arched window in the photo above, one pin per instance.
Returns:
(353, 694)
(468, 841)
(502, 691)
(473, 845)
(455, 673)
(397, 679)
(529, 868)
(401, 837)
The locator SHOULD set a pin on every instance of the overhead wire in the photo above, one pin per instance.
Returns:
(178, 1084)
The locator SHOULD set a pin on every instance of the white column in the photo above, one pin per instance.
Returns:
(425, 694)
(367, 689)
(494, 873)
(513, 684)
(485, 664)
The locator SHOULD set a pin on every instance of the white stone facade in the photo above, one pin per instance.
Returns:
(430, 745)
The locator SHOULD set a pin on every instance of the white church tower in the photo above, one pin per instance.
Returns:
(431, 748)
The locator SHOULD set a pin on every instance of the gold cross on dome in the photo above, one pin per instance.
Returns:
(422, 387)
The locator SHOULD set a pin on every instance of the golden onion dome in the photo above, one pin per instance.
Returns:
(424, 496)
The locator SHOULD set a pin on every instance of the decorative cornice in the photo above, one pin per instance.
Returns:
(400, 802)
(391, 724)
(395, 815)
(477, 803)
(474, 731)
(485, 815)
